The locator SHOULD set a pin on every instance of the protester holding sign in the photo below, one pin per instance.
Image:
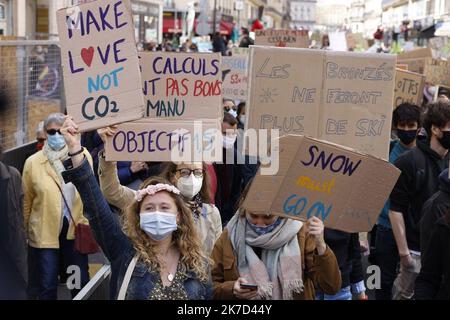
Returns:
(194, 187)
(419, 179)
(270, 257)
(52, 209)
(158, 254)
(406, 122)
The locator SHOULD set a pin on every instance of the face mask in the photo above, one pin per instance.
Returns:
(233, 113)
(406, 136)
(56, 141)
(189, 186)
(158, 225)
(228, 141)
(40, 146)
(263, 230)
(445, 140)
(242, 119)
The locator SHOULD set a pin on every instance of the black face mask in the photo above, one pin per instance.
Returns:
(445, 140)
(406, 136)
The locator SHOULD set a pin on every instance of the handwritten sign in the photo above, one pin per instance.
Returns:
(100, 63)
(166, 141)
(338, 41)
(342, 97)
(414, 65)
(234, 73)
(181, 86)
(317, 178)
(282, 38)
(180, 90)
(408, 87)
(437, 72)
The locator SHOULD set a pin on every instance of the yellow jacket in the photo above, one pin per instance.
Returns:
(43, 203)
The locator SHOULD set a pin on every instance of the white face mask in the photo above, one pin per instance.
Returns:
(242, 119)
(158, 225)
(189, 186)
(233, 113)
(229, 140)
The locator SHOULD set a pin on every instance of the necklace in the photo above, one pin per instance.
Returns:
(170, 277)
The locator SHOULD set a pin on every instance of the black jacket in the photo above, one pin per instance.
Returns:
(346, 248)
(419, 180)
(435, 208)
(433, 281)
(13, 249)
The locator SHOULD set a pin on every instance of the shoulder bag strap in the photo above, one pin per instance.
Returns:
(127, 278)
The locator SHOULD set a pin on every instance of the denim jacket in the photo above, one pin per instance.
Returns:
(117, 246)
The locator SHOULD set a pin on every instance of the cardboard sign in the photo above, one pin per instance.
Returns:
(414, 65)
(402, 67)
(343, 97)
(440, 47)
(338, 41)
(100, 63)
(408, 88)
(282, 38)
(181, 86)
(234, 73)
(437, 72)
(415, 54)
(356, 42)
(185, 141)
(333, 183)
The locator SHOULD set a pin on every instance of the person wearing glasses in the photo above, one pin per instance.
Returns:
(192, 179)
(51, 210)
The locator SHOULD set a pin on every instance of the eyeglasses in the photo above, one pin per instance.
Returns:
(52, 132)
(187, 172)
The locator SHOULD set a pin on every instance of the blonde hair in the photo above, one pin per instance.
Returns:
(185, 238)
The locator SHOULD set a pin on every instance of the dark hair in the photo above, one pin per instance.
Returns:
(245, 31)
(406, 113)
(205, 192)
(228, 118)
(241, 106)
(437, 114)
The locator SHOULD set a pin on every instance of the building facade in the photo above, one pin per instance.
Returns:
(331, 17)
(303, 14)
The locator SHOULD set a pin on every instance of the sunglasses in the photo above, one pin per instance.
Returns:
(52, 132)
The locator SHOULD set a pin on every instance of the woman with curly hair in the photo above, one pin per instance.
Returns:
(158, 254)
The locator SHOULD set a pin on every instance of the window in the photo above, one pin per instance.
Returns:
(2, 12)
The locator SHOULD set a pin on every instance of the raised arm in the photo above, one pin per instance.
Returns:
(105, 226)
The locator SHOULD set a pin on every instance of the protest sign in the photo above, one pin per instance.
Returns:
(415, 54)
(282, 38)
(234, 73)
(408, 88)
(331, 182)
(402, 66)
(414, 65)
(180, 90)
(440, 47)
(181, 86)
(338, 41)
(100, 63)
(343, 97)
(437, 72)
(169, 140)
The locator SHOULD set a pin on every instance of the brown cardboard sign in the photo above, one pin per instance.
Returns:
(100, 63)
(185, 140)
(402, 66)
(414, 65)
(342, 97)
(181, 86)
(415, 54)
(331, 182)
(234, 70)
(437, 72)
(408, 88)
(282, 38)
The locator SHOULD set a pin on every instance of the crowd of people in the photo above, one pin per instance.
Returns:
(178, 230)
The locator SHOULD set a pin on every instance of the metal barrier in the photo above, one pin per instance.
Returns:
(98, 287)
(31, 83)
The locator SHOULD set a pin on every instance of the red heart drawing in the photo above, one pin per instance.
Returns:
(87, 55)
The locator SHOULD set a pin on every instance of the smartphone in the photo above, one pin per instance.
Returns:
(252, 287)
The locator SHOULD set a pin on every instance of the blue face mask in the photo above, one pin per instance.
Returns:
(263, 230)
(56, 141)
(158, 225)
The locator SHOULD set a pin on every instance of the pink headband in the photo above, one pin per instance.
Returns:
(155, 188)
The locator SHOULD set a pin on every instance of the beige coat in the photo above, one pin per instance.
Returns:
(209, 223)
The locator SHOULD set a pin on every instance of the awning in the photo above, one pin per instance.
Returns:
(443, 29)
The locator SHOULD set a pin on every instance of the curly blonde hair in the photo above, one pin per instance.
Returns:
(185, 238)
